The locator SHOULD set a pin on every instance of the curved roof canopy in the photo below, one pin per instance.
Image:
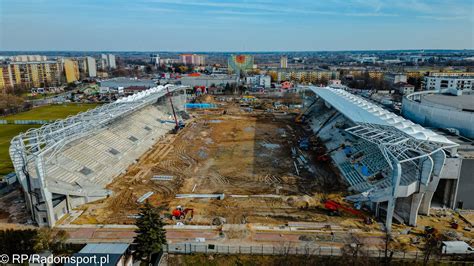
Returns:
(359, 110)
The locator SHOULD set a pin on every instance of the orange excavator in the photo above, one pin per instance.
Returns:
(335, 208)
(181, 213)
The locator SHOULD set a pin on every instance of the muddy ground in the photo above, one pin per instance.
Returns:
(235, 152)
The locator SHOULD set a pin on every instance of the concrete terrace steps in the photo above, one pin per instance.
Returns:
(352, 175)
(93, 152)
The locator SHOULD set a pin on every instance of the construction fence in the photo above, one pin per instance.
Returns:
(308, 250)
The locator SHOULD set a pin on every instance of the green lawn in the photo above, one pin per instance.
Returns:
(7, 132)
(51, 112)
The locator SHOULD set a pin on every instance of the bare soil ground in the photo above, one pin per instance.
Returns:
(12, 208)
(233, 152)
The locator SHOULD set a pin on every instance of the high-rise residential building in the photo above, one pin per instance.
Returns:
(108, 61)
(104, 61)
(192, 59)
(28, 74)
(91, 67)
(28, 58)
(6, 77)
(71, 70)
(111, 61)
(307, 76)
(155, 59)
(284, 62)
(87, 66)
(187, 59)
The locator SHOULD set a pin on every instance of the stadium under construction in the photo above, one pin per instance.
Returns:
(393, 167)
(69, 162)
(391, 164)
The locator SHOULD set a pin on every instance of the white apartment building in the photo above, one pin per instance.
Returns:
(29, 58)
(91, 67)
(109, 60)
(155, 59)
(448, 82)
(259, 80)
(284, 62)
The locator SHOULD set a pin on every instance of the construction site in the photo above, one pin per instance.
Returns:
(230, 164)
(301, 168)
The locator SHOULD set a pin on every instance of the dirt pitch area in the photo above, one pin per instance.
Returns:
(247, 155)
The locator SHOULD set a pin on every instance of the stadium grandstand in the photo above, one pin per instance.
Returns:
(392, 165)
(68, 163)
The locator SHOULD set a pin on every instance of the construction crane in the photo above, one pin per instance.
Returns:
(178, 125)
(181, 213)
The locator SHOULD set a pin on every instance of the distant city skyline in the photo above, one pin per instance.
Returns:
(240, 25)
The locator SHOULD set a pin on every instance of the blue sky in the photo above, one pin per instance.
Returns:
(239, 25)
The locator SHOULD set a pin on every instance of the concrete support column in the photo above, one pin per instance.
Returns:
(415, 206)
(426, 202)
(68, 203)
(390, 210)
(45, 194)
(377, 209)
(48, 201)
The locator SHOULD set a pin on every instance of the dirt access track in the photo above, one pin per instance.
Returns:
(245, 154)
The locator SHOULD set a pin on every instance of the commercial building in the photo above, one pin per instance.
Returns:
(216, 80)
(442, 110)
(71, 70)
(393, 166)
(124, 85)
(192, 59)
(453, 115)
